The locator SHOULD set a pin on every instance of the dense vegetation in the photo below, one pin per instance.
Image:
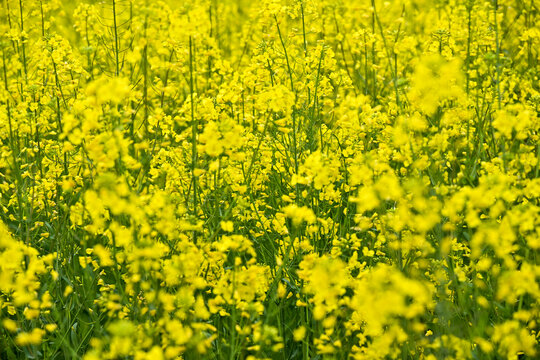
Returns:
(269, 179)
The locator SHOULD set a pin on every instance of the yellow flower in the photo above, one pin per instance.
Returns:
(299, 214)
(9, 325)
(435, 80)
(30, 338)
(68, 290)
(299, 334)
(227, 226)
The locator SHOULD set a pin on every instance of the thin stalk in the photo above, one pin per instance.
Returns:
(8, 104)
(22, 43)
(286, 55)
(303, 27)
(295, 95)
(116, 51)
(145, 74)
(392, 72)
(468, 60)
(232, 328)
(498, 52)
(194, 126)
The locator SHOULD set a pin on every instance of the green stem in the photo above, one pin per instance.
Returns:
(498, 52)
(194, 127)
(115, 38)
(394, 73)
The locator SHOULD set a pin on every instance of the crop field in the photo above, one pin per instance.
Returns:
(269, 179)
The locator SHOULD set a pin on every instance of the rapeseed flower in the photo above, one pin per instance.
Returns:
(269, 179)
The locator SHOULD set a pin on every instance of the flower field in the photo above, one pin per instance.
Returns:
(269, 179)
